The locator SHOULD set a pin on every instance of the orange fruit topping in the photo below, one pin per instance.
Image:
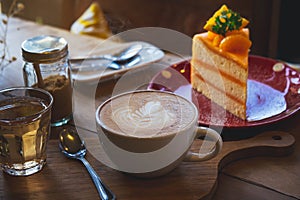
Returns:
(244, 32)
(211, 35)
(212, 21)
(236, 43)
(217, 40)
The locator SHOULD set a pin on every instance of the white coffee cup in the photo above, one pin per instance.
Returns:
(148, 133)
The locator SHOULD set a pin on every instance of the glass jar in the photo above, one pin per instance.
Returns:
(46, 66)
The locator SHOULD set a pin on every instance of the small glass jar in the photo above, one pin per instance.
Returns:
(46, 66)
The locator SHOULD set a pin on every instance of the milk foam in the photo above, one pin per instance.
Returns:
(152, 116)
(147, 114)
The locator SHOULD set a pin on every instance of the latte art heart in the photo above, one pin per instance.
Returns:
(152, 116)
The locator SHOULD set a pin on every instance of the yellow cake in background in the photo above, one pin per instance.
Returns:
(219, 65)
(92, 22)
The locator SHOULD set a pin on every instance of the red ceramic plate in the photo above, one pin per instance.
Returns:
(272, 94)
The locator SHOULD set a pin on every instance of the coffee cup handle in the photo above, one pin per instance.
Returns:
(214, 136)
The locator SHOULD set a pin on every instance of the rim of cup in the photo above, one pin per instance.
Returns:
(35, 115)
(170, 133)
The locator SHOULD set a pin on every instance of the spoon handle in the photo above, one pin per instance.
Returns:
(96, 179)
(102, 57)
(89, 67)
(111, 195)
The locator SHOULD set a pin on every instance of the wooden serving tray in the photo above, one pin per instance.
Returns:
(63, 178)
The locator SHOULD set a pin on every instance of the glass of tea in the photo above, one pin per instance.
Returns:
(25, 116)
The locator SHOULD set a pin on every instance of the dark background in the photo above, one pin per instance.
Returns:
(274, 24)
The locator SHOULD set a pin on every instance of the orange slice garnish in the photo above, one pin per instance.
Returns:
(236, 43)
(244, 32)
(217, 40)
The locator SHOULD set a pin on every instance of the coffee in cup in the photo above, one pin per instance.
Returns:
(148, 133)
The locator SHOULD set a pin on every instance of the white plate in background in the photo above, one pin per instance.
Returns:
(148, 54)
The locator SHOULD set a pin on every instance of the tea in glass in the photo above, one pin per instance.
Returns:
(25, 116)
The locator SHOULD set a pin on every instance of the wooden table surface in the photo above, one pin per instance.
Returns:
(258, 177)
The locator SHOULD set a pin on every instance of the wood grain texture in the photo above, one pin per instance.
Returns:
(280, 174)
(236, 189)
(61, 176)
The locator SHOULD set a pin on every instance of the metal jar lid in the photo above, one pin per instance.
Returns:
(44, 49)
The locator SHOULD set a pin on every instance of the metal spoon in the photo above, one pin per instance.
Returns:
(123, 56)
(73, 147)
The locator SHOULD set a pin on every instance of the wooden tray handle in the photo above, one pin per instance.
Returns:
(271, 143)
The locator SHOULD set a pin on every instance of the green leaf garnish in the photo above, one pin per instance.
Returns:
(227, 21)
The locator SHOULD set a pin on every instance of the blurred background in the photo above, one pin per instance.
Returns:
(274, 24)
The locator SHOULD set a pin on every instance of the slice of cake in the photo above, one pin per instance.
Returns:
(219, 65)
(92, 22)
